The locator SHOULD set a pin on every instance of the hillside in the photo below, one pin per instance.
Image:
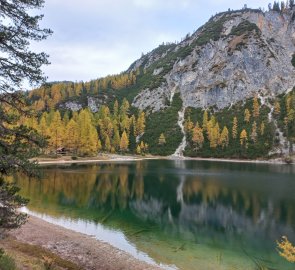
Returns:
(224, 91)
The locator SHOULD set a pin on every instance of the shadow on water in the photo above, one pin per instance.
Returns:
(209, 215)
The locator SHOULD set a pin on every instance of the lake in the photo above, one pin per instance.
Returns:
(181, 214)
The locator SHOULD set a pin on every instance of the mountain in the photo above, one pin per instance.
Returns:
(236, 61)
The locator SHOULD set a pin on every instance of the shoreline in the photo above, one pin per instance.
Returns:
(121, 158)
(30, 243)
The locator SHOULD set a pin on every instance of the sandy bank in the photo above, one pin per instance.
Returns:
(82, 250)
(123, 158)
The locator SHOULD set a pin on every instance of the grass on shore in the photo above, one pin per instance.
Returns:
(19, 255)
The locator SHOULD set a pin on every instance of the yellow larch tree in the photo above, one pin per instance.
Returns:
(198, 136)
(224, 137)
(235, 128)
(162, 139)
(243, 138)
(247, 116)
(124, 142)
(255, 107)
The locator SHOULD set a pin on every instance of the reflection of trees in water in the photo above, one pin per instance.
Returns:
(98, 185)
(151, 194)
(251, 203)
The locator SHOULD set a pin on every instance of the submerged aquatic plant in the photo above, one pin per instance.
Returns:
(286, 249)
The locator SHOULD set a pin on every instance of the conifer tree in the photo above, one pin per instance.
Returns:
(254, 132)
(116, 140)
(243, 138)
(198, 137)
(107, 145)
(224, 138)
(277, 108)
(124, 142)
(162, 139)
(72, 135)
(235, 128)
(262, 128)
(247, 115)
(255, 107)
(56, 131)
(140, 124)
(205, 120)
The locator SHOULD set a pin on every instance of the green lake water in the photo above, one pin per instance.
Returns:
(180, 214)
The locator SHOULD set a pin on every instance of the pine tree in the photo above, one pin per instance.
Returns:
(255, 107)
(247, 115)
(235, 128)
(162, 139)
(124, 142)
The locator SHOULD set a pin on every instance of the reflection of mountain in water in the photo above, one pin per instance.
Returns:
(197, 203)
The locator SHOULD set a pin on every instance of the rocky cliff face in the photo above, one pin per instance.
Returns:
(233, 57)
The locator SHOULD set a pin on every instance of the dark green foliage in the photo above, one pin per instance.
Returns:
(211, 30)
(164, 122)
(234, 150)
(244, 28)
(18, 64)
(293, 60)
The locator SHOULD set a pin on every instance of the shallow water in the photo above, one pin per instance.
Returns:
(180, 214)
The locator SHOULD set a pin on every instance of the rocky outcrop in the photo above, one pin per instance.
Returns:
(251, 55)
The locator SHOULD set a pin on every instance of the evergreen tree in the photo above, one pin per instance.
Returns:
(18, 28)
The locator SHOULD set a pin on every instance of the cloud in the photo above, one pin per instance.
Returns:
(95, 38)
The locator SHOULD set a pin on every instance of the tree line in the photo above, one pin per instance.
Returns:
(85, 133)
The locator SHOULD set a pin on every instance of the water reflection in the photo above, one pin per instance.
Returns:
(221, 205)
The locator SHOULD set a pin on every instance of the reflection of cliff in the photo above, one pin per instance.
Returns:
(150, 194)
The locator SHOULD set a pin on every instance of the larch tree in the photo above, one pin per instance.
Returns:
(140, 124)
(205, 120)
(255, 107)
(243, 138)
(162, 139)
(254, 132)
(72, 135)
(247, 116)
(224, 137)
(277, 108)
(18, 65)
(198, 136)
(235, 128)
(124, 142)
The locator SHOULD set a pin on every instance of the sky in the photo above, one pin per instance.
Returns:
(95, 38)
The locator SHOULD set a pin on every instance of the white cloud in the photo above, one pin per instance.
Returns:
(93, 38)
